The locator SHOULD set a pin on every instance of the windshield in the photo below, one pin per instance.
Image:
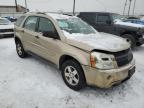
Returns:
(75, 25)
(118, 17)
(4, 21)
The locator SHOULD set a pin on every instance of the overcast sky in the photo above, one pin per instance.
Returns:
(81, 5)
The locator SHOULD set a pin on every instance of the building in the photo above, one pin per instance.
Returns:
(12, 9)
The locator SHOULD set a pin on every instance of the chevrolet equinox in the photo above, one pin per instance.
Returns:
(84, 56)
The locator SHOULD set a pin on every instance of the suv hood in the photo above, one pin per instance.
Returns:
(128, 24)
(99, 41)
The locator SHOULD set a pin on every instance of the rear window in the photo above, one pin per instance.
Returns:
(19, 21)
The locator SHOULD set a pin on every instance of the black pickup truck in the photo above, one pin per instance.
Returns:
(108, 23)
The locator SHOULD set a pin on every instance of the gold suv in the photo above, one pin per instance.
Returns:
(84, 56)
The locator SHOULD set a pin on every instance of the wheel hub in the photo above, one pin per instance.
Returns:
(71, 75)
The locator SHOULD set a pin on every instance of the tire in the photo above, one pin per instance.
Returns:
(130, 39)
(139, 44)
(73, 76)
(20, 50)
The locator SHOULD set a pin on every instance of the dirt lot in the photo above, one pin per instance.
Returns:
(35, 83)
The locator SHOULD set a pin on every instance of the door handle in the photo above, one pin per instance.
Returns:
(37, 37)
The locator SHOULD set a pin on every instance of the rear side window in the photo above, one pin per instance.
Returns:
(45, 25)
(88, 17)
(31, 23)
(20, 20)
(102, 19)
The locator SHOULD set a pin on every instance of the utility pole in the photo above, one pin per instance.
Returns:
(74, 8)
(134, 7)
(125, 7)
(26, 5)
(129, 7)
(16, 5)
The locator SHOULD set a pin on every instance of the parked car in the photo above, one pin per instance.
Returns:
(135, 21)
(111, 23)
(6, 28)
(12, 19)
(84, 56)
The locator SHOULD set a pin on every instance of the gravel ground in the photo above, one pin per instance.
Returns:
(36, 83)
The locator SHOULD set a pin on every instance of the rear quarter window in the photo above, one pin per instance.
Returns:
(19, 21)
(88, 17)
(102, 19)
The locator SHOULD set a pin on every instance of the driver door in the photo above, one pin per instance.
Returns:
(47, 45)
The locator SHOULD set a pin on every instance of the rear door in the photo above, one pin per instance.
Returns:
(29, 33)
(103, 23)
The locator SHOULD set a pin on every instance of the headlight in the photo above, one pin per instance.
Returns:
(102, 61)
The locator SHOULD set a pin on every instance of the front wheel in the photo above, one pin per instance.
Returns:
(73, 75)
(20, 50)
(130, 39)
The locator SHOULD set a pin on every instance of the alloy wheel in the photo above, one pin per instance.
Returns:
(71, 75)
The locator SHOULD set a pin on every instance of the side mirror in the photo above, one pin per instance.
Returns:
(50, 34)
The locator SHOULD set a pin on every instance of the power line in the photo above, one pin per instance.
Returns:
(16, 5)
(26, 5)
(74, 7)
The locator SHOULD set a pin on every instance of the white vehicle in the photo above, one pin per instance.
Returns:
(6, 28)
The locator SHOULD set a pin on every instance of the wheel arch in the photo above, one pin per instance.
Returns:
(17, 39)
(128, 32)
(64, 58)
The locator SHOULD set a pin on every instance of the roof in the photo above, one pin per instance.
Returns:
(59, 16)
(53, 15)
(9, 6)
(99, 12)
(6, 6)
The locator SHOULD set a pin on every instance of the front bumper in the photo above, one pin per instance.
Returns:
(141, 40)
(108, 78)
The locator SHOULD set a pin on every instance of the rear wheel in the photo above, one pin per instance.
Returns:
(73, 75)
(20, 50)
(130, 39)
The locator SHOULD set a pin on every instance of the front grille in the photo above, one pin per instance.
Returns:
(6, 30)
(123, 57)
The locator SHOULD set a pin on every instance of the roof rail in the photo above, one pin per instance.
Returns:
(67, 14)
(41, 13)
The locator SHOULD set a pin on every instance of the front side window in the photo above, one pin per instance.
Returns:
(45, 25)
(31, 23)
(75, 25)
(118, 17)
